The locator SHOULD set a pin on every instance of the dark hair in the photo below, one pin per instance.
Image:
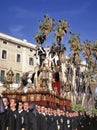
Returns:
(20, 101)
(6, 98)
(16, 101)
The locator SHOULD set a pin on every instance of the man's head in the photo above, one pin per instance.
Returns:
(20, 105)
(26, 106)
(13, 103)
(5, 101)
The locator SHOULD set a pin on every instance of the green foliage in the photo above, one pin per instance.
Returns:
(94, 50)
(5, 82)
(78, 107)
(45, 28)
(94, 111)
(74, 41)
(61, 29)
(95, 45)
(46, 24)
(40, 37)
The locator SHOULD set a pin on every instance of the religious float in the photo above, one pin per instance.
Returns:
(47, 85)
(40, 95)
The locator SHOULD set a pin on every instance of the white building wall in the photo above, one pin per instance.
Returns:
(26, 50)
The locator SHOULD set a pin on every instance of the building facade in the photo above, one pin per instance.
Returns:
(17, 55)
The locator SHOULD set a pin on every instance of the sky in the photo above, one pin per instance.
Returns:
(20, 18)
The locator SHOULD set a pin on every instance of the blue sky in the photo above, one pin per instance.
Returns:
(20, 18)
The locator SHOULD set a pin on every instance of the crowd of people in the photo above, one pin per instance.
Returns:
(18, 115)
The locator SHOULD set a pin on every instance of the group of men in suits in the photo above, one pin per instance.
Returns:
(58, 119)
(18, 115)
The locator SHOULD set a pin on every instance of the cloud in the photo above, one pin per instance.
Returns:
(21, 13)
(16, 30)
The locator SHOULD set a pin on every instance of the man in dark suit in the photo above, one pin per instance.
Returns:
(38, 117)
(59, 120)
(82, 122)
(12, 115)
(67, 121)
(33, 120)
(74, 121)
(2, 114)
(30, 122)
(43, 119)
(4, 119)
(20, 118)
(26, 107)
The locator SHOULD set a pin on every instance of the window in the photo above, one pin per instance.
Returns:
(31, 50)
(17, 77)
(18, 58)
(4, 54)
(18, 46)
(30, 61)
(4, 42)
(2, 75)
